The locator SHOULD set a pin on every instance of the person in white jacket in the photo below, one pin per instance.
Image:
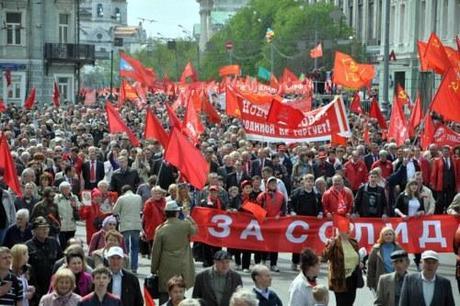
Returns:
(68, 205)
(301, 288)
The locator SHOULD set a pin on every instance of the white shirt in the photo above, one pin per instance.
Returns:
(428, 289)
(116, 283)
(410, 170)
(414, 205)
(300, 292)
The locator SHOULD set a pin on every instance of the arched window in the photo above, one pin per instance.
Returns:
(100, 10)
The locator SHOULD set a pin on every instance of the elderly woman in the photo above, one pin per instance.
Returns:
(153, 214)
(300, 290)
(19, 232)
(94, 214)
(97, 240)
(108, 197)
(63, 286)
(68, 205)
(112, 238)
(344, 266)
(379, 261)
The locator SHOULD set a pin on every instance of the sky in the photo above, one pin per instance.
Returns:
(168, 14)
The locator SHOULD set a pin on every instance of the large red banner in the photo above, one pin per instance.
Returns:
(318, 125)
(290, 234)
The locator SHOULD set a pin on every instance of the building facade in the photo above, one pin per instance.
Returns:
(38, 45)
(104, 23)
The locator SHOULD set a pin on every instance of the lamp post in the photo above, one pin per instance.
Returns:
(386, 54)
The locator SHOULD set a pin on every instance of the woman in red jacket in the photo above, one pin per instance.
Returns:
(153, 214)
(93, 214)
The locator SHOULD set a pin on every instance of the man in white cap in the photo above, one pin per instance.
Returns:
(123, 284)
(435, 289)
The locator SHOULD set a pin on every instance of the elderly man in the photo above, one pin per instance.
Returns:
(389, 285)
(262, 281)
(223, 280)
(19, 232)
(427, 287)
(124, 176)
(243, 297)
(338, 199)
(384, 164)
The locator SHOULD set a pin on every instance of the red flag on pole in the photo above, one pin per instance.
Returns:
(355, 105)
(285, 114)
(9, 168)
(401, 95)
(350, 74)
(213, 115)
(174, 122)
(421, 48)
(428, 131)
(232, 107)
(148, 298)
(376, 113)
(56, 95)
(192, 123)
(258, 211)
(446, 102)
(398, 125)
(189, 72)
(116, 124)
(188, 159)
(133, 69)
(288, 76)
(154, 129)
(29, 103)
(316, 51)
(435, 55)
(416, 116)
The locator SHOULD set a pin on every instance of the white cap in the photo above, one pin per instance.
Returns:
(430, 255)
(115, 251)
(172, 206)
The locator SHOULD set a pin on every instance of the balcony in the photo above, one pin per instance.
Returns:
(81, 54)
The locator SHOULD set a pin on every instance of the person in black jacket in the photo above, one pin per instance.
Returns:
(305, 201)
(262, 281)
(370, 200)
(124, 176)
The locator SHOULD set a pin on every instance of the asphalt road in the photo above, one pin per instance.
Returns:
(282, 280)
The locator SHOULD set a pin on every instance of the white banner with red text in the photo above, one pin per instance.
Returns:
(318, 125)
(241, 230)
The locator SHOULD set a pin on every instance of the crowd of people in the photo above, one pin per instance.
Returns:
(134, 203)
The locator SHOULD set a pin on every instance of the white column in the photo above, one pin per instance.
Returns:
(355, 24)
(429, 18)
(365, 26)
(346, 10)
(451, 20)
(205, 8)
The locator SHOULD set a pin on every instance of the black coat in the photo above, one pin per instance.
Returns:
(86, 174)
(256, 166)
(273, 299)
(203, 287)
(232, 179)
(130, 289)
(129, 177)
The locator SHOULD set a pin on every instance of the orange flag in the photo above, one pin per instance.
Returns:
(148, 298)
(446, 102)
(232, 107)
(350, 74)
(401, 95)
(9, 167)
(116, 124)
(154, 129)
(56, 95)
(189, 72)
(435, 55)
(188, 159)
(316, 51)
(258, 211)
(229, 70)
(416, 116)
(398, 125)
(376, 113)
(355, 105)
(30, 101)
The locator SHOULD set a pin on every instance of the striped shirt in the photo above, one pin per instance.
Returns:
(15, 294)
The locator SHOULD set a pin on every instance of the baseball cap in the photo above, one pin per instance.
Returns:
(271, 178)
(115, 251)
(222, 255)
(429, 254)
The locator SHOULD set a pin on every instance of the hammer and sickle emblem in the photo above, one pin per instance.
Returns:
(454, 86)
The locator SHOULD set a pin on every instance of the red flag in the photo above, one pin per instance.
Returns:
(232, 107)
(435, 55)
(229, 70)
(366, 133)
(428, 131)
(148, 298)
(116, 124)
(2, 106)
(398, 125)
(213, 115)
(288, 76)
(376, 113)
(421, 48)
(355, 105)
(154, 130)
(446, 102)
(189, 72)
(192, 123)
(29, 103)
(258, 211)
(285, 114)
(316, 51)
(341, 223)
(351, 74)
(133, 69)
(8, 77)
(7, 163)
(188, 159)
(401, 95)
(174, 122)
(274, 81)
(416, 116)
(392, 56)
(56, 95)
(338, 140)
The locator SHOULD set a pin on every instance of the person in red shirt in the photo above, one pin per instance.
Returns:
(384, 164)
(274, 203)
(93, 214)
(338, 199)
(355, 171)
(153, 214)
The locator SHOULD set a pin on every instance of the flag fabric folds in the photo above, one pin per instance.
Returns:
(189, 72)
(192, 123)
(56, 95)
(188, 159)
(316, 51)
(232, 107)
(229, 70)
(154, 130)
(258, 211)
(116, 124)
(284, 114)
(401, 95)
(30, 101)
(416, 116)
(350, 74)
(376, 113)
(133, 69)
(397, 129)
(9, 168)
(435, 55)
(446, 102)
(174, 122)
(355, 105)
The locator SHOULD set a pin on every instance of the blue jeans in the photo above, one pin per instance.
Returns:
(131, 239)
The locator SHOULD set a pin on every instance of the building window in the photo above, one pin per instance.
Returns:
(65, 87)
(100, 10)
(402, 27)
(16, 91)
(117, 14)
(63, 28)
(13, 28)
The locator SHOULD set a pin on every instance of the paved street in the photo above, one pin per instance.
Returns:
(282, 280)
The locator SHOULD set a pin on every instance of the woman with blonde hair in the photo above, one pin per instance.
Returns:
(112, 238)
(379, 261)
(20, 256)
(62, 294)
